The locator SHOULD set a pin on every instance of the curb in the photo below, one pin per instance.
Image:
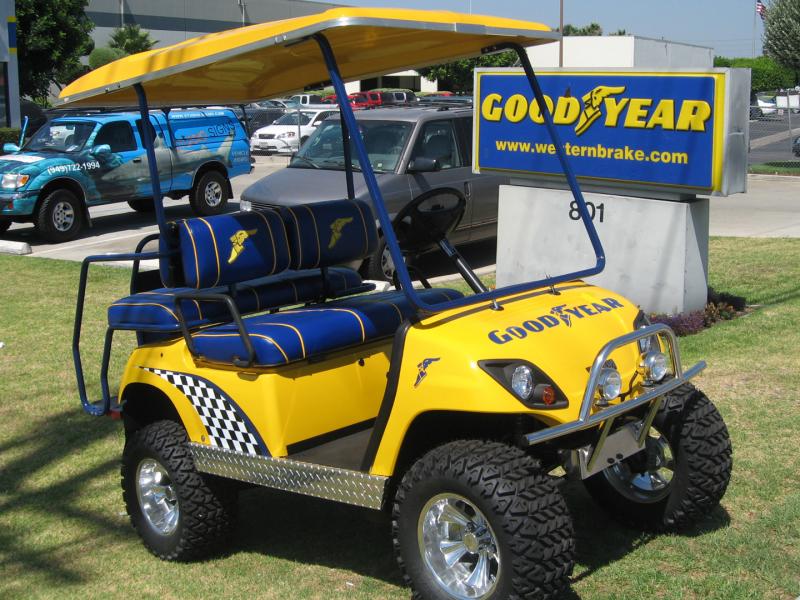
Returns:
(8, 247)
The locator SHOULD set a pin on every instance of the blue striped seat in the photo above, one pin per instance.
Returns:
(297, 334)
(155, 310)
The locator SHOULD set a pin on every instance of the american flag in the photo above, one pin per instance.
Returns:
(761, 9)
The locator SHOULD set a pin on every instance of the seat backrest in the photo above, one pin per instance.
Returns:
(231, 248)
(323, 234)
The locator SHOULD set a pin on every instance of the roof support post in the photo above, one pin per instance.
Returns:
(158, 197)
(366, 170)
(348, 159)
(572, 181)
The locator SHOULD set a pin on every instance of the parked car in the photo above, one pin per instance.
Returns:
(254, 116)
(796, 147)
(365, 99)
(76, 161)
(412, 151)
(397, 97)
(303, 100)
(282, 136)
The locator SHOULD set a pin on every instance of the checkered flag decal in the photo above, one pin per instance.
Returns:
(226, 427)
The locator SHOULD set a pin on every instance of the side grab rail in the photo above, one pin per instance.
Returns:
(237, 319)
(104, 405)
(586, 420)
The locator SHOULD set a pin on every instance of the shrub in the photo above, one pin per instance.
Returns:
(736, 302)
(9, 135)
(683, 323)
(104, 55)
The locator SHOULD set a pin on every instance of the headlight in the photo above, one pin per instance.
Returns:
(609, 384)
(648, 343)
(245, 205)
(12, 181)
(655, 366)
(529, 384)
(522, 381)
(288, 134)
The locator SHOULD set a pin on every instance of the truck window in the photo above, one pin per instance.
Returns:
(141, 132)
(118, 135)
(437, 140)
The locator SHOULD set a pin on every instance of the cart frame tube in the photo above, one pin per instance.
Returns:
(385, 220)
(158, 197)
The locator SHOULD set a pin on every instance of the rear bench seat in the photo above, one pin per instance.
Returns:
(256, 278)
(269, 259)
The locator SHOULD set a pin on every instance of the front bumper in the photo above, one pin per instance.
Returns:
(18, 203)
(272, 145)
(653, 396)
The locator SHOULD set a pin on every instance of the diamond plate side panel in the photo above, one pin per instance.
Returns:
(330, 483)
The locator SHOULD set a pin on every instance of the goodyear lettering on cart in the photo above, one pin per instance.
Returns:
(561, 315)
(644, 128)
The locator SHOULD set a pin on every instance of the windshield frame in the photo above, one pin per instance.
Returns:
(332, 126)
(27, 147)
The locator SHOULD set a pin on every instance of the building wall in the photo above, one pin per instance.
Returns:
(622, 51)
(171, 21)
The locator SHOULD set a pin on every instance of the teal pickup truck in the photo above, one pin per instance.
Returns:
(83, 160)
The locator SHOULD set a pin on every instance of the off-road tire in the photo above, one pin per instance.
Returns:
(703, 459)
(522, 504)
(198, 199)
(142, 205)
(207, 505)
(51, 212)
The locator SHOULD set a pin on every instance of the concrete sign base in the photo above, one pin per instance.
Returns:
(656, 251)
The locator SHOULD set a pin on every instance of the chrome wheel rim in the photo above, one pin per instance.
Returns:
(213, 193)
(157, 496)
(63, 216)
(387, 264)
(654, 482)
(459, 547)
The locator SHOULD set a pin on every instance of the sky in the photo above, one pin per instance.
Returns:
(726, 26)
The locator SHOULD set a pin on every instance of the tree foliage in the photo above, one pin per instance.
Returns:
(458, 76)
(766, 74)
(782, 33)
(131, 39)
(104, 55)
(52, 36)
(590, 29)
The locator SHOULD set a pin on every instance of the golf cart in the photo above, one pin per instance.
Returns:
(262, 360)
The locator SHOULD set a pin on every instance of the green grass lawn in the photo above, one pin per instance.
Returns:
(791, 167)
(63, 531)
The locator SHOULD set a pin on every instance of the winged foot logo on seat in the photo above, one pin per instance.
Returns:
(237, 243)
(336, 230)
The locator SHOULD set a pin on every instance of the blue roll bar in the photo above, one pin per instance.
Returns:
(385, 221)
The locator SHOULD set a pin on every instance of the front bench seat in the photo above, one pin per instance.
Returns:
(310, 332)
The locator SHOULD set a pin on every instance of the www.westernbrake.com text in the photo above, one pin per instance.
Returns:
(596, 151)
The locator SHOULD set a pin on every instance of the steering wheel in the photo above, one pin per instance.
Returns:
(429, 218)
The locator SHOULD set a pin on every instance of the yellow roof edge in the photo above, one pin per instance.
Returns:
(301, 28)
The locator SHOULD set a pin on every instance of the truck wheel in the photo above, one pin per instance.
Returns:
(60, 217)
(142, 205)
(379, 265)
(179, 513)
(680, 476)
(210, 195)
(475, 519)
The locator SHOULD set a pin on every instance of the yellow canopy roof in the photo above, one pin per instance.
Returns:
(266, 60)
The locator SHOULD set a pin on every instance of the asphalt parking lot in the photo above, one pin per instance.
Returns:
(770, 208)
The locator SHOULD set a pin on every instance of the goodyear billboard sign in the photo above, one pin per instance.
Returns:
(622, 127)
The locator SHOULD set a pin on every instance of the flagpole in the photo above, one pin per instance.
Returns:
(755, 13)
